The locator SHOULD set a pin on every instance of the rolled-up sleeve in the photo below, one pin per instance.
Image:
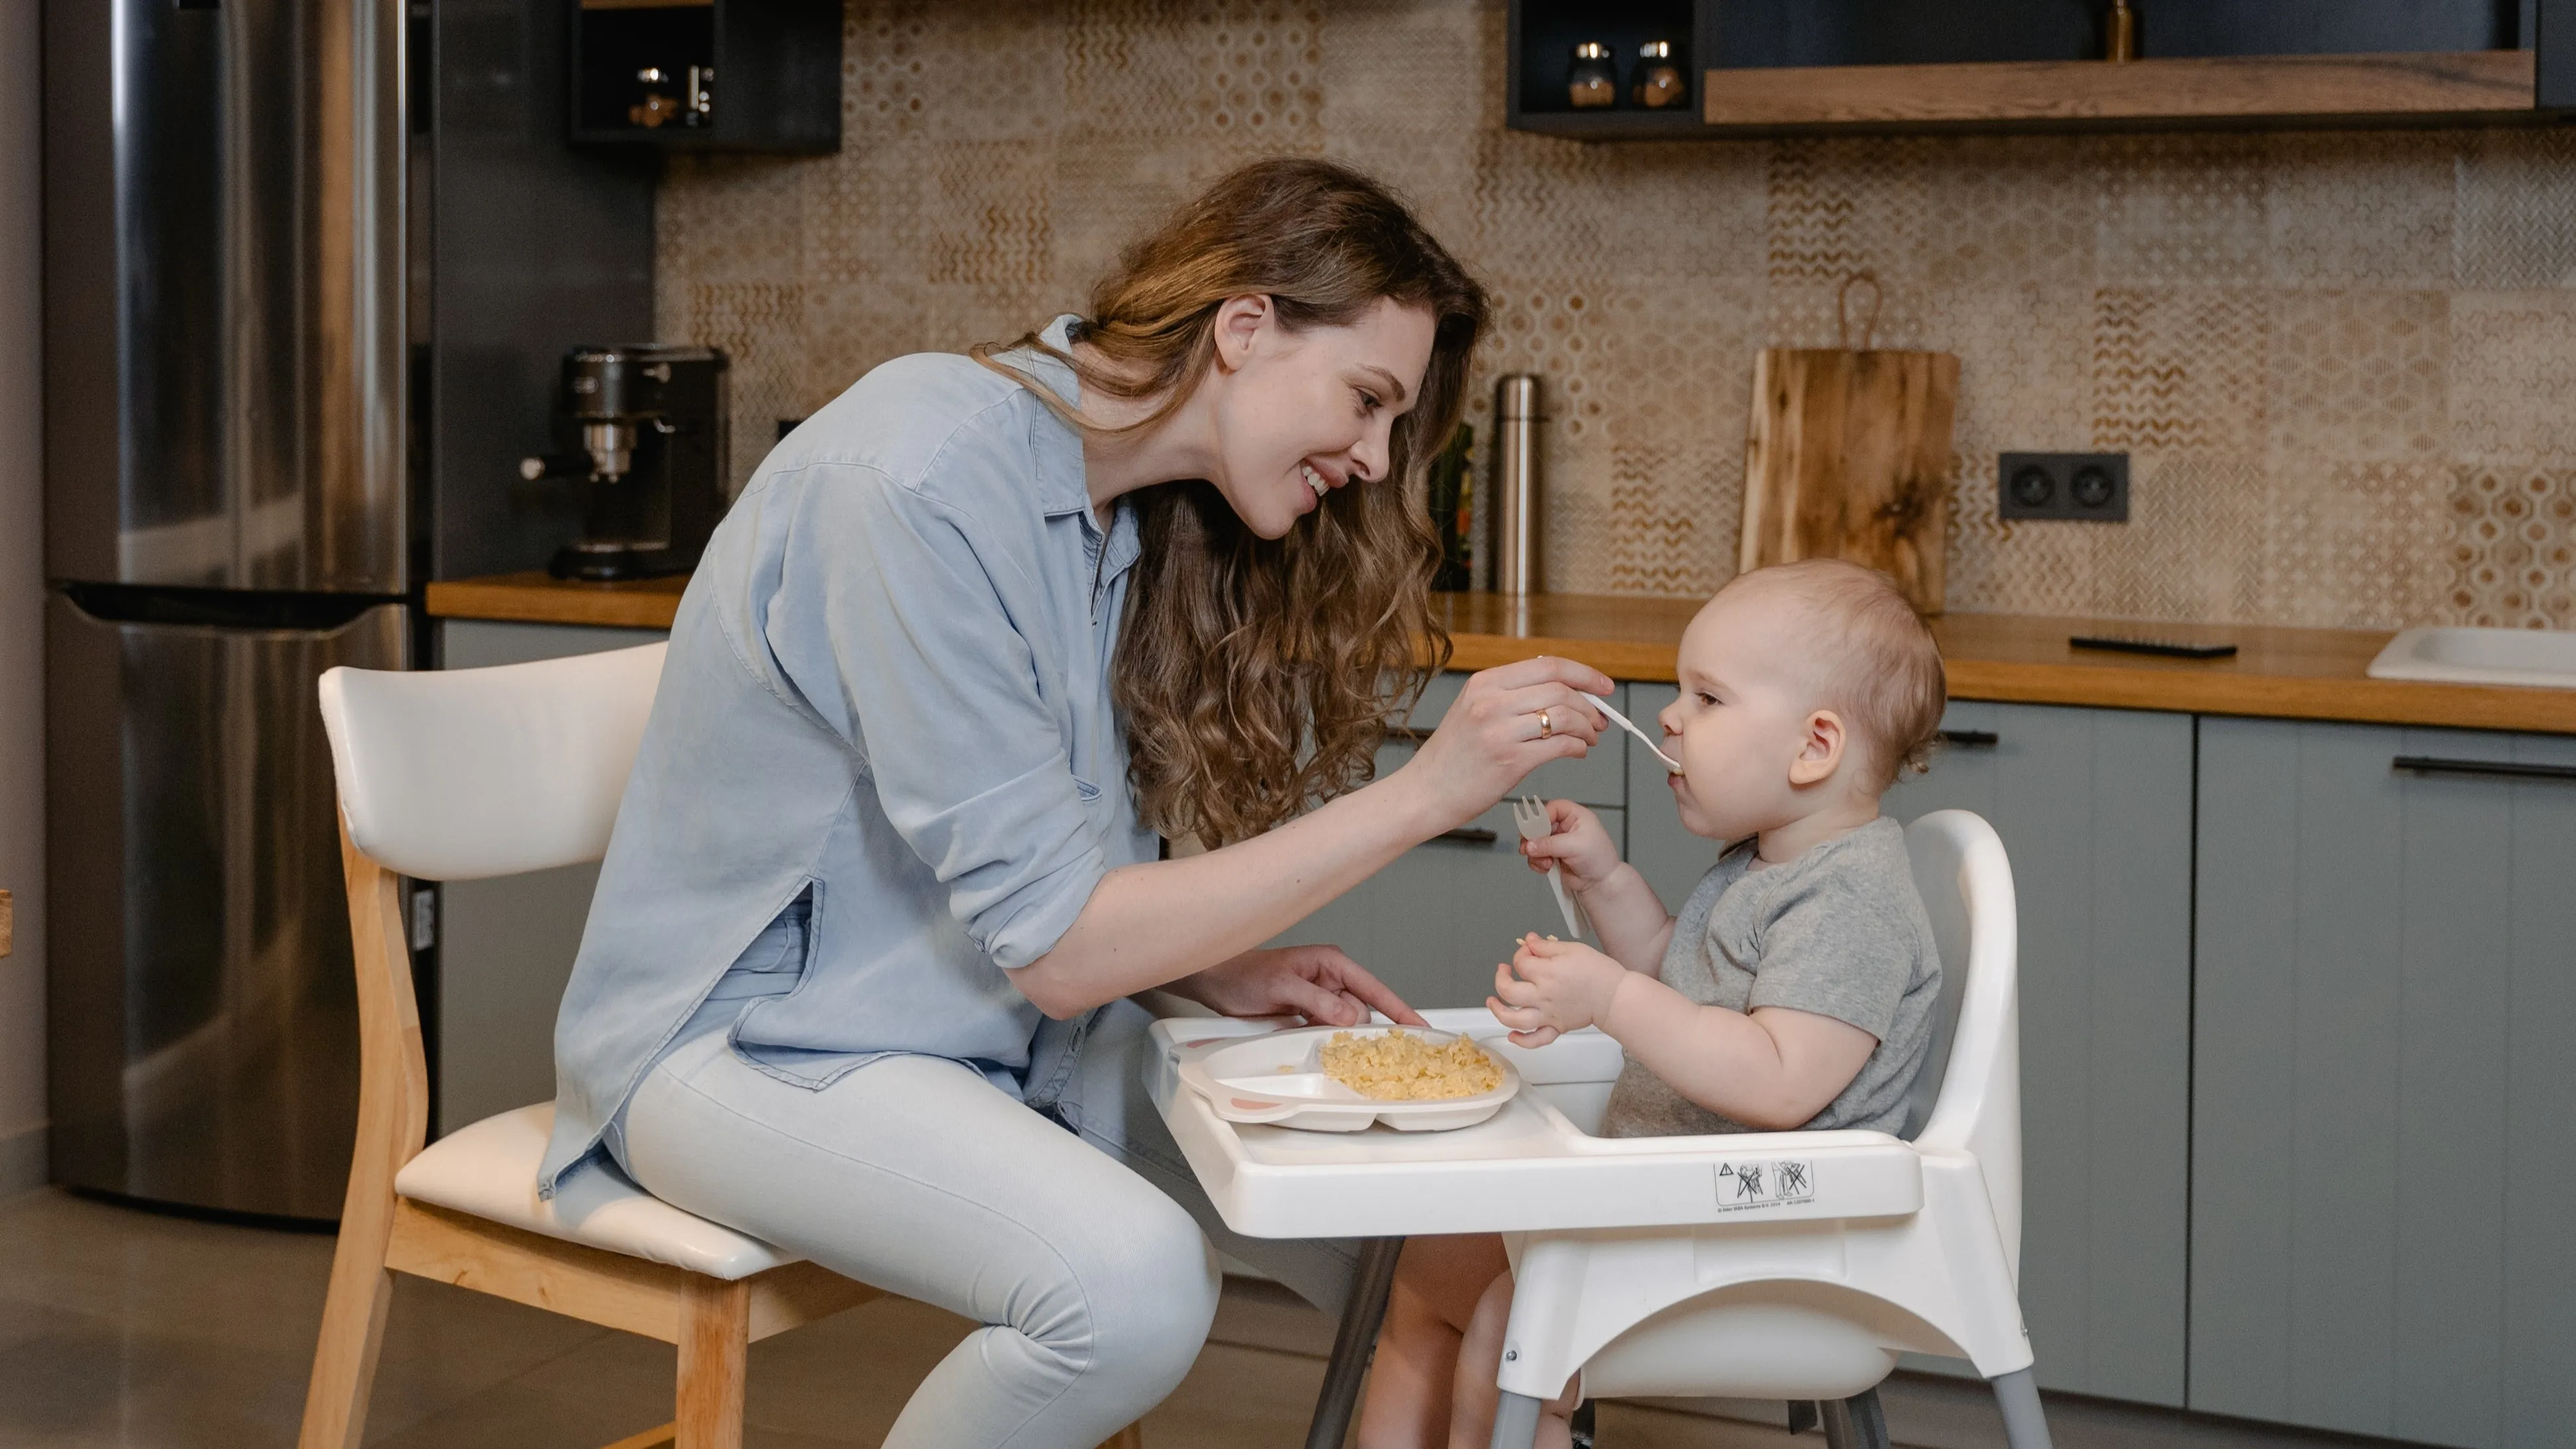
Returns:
(922, 669)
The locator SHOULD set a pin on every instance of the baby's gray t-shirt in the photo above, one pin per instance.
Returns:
(1839, 931)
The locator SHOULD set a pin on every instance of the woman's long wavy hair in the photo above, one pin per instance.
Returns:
(1256, 676)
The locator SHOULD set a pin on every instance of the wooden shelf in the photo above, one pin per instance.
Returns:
(1671, 125)
(2448, 85)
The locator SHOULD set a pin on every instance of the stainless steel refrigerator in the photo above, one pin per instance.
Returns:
(310, 268)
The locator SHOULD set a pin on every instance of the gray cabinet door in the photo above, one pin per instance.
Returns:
(2384, 1175)
(2094, 808)
(505, 946)
(1434, 924)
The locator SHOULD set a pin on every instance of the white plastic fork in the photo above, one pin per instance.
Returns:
(1529, 813)
(1671, 765)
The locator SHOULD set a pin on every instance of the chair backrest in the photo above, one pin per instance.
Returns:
(458, 774)
(1968, 1097)
(454, 775)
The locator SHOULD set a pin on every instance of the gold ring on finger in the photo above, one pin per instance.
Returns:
(1546, 727)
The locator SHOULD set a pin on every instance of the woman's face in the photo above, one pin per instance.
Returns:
(1300, 412)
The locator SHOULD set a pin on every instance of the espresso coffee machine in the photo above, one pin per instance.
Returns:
(652, 459)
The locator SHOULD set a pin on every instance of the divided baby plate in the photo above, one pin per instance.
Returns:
(1278, 1079)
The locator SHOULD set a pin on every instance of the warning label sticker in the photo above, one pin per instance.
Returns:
(1774, 1182)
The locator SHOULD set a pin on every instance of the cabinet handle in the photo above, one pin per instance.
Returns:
(1468, 835)
(2496, 769)
(1971, 739)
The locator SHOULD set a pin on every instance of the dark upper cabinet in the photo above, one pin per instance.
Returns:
(713, 75)
(1787, 66)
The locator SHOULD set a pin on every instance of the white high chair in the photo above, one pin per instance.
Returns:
(1816, 1308)
(1784, 1265)
(461, 775)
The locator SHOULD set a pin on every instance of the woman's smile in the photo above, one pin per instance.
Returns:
(1322, 477)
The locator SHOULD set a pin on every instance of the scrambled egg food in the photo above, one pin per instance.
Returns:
(1395, 1066)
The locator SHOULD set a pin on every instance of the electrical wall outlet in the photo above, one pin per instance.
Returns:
(2093, 487)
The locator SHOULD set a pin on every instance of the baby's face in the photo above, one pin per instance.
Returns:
(1741, 719)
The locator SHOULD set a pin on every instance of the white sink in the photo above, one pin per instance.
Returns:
(2481, 656)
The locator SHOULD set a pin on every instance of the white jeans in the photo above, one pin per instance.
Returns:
(1064, 1225)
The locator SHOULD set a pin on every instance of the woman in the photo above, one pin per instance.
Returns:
(855, 974)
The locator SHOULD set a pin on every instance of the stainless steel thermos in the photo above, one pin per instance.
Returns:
(1516, 503)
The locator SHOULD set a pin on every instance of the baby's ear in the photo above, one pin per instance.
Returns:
(1821, 749)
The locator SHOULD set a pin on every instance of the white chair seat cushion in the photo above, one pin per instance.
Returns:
(489, 1170)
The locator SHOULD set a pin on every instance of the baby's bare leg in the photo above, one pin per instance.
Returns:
(1438, 1282)
(1480, 1361)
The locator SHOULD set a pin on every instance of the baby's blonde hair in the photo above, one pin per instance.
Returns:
(1875, 663)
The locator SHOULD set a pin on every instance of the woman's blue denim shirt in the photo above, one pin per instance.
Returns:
(888, 683)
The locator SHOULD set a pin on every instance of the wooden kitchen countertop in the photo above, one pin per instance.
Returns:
(538, 597)
(2287, 673)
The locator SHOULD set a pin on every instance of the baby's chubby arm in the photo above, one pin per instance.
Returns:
(1626, 911)
(1774, 1069)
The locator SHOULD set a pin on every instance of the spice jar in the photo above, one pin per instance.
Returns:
(1658, 82)
(1592, 82)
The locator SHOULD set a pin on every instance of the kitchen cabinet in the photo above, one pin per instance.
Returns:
(2094, 808)
(1764, 67)
(505, 946)
(2383, 1170)
(724, 75)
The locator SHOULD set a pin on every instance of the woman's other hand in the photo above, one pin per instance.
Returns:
(1319, 983)
(1580, 843)
(1494, 734)
(1552, 987)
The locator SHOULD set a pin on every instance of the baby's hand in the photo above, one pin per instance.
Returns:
(1580, 844)
(1552, 987)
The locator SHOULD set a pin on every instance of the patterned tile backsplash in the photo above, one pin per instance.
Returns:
(2344, 364)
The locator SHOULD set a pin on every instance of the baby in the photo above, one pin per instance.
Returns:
(1795, 990)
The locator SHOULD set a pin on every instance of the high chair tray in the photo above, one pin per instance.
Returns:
(1276, 1078)
(1526, 1168)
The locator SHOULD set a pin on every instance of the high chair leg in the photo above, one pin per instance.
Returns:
(1855, 1423)
(1516, 1422)
(2025, 1423)
(1353, 1342)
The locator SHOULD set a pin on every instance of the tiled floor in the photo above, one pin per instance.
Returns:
(134, 1329)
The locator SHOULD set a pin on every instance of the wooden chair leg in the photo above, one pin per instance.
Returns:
(715, 1345)
(353, 1334)
(393, 1119)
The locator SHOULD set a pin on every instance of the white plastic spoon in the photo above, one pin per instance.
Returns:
(1671, 765)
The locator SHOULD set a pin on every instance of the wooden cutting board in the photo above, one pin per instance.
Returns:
(1848, 456)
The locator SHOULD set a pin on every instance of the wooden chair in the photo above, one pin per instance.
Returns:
(460, 775)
